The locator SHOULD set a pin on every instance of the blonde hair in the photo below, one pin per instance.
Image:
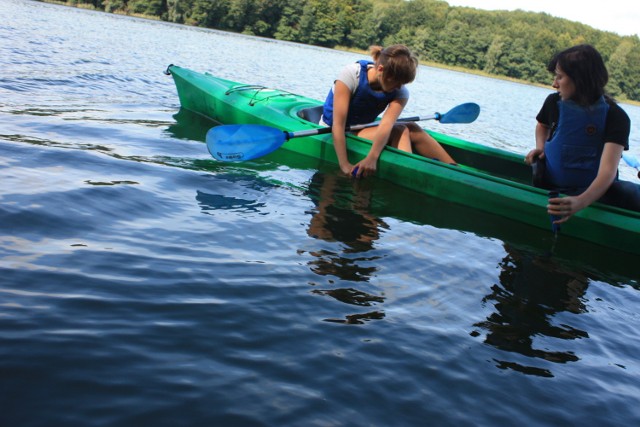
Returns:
(399, 63)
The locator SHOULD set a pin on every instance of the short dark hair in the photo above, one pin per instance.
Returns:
(584, 65)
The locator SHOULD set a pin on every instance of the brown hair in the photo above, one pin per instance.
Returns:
(399, 63)
(584, 65)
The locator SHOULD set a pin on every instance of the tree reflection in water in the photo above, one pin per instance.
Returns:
(533, 289)
(342, 216)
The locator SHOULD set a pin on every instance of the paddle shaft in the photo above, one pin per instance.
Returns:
(246, 142)
(322, 131)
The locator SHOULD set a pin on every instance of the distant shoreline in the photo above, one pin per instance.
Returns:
(343, 49)
(484, 74)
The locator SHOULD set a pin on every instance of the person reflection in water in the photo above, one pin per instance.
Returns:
(341, 215)
(532, 291)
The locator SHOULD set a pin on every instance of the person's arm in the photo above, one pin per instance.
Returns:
(545, 118)
(380, 137)
(542, 134)
(341, 100)
(567, 206)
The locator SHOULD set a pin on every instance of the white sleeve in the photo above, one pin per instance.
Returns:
(403, 93)
(350, 76)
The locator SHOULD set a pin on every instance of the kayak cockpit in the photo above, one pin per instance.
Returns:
(311, 114)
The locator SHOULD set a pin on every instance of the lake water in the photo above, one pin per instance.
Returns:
(142, 283)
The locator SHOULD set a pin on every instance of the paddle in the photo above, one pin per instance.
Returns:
(632, 161)
(235, 143)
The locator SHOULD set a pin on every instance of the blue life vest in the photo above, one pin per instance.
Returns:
(573, 153)
(365, 105)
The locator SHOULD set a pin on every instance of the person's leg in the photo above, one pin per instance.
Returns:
(623, 194)
(399, 138)
(426, 146)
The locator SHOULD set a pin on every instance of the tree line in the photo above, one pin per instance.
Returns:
(514, 44)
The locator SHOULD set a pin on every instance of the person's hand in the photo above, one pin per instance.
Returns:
(564, 208)
(347, 168)
(534, 155)
(366, 167)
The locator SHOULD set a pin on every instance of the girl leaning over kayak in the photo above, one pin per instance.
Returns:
(365, 89)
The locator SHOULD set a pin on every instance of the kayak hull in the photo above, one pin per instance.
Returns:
(488, 179)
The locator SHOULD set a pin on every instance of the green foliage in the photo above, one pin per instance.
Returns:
(288, 26)
(515, 44)
(147, 7)
(114, 5)
(625, 57)
(321, 23)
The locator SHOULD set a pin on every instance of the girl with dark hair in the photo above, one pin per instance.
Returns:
(580, 136)
(365, 89)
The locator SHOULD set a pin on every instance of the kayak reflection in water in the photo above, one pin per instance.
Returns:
(341, 220)
(365, 89)
(533, 290)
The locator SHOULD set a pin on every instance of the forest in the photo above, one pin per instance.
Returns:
(514, 44)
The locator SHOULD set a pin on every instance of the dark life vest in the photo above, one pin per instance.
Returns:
(365, 105)
(573, 153)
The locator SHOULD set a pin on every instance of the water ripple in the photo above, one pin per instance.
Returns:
(144, 283)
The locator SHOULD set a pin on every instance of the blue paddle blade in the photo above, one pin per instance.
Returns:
(463, 113)
(239, 143)
(631, 161)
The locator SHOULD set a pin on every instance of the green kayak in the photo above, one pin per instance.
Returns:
(487, 179)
